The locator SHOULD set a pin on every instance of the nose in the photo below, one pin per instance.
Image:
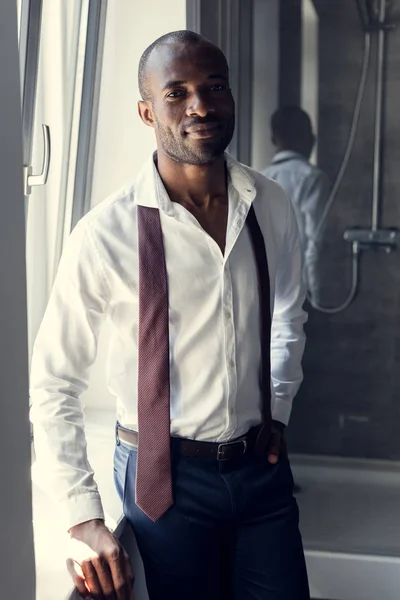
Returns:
(198, 105)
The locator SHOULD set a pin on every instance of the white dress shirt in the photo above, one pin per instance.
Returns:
(214, 325)
(308, 188)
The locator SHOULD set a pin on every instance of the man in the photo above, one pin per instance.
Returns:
(178, 263)
(306, 185)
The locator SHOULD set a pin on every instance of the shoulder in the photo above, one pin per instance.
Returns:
(270, 196)
(112, 221)
(269, 171)
(262, 182)
(104, 228)
(314, 173)
(111, 210)
(273, 209)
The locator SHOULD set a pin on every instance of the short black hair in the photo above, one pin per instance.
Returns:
(183, 35)
(289, 123)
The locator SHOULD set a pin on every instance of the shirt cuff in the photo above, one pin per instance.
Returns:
(82, 507)
(281, 410)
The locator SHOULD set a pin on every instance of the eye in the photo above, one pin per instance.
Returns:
(217, 88)
(176, 94)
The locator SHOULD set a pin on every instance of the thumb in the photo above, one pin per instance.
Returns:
(274, 447)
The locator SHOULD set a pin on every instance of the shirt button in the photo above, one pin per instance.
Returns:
(232, 363)
(231, 411)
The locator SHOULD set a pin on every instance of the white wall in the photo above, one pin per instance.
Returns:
(123, 143)
(265, 79)
(16, 540)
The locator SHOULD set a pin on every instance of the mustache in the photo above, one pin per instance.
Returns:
(201, 121)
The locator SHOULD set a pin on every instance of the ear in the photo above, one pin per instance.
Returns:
(146, 112)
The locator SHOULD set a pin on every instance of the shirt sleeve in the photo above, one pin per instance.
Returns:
(64, 350)
(287, 333)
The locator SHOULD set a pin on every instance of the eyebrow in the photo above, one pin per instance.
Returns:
(177, 82)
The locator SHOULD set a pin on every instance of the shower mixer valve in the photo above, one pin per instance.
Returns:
(384, 239)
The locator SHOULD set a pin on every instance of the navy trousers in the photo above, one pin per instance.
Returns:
(232, 533)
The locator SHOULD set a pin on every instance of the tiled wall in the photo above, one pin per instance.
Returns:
(349, 403)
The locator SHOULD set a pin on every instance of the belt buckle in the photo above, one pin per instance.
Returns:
(221, 447)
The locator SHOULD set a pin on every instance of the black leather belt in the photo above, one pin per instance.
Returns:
(192, 448)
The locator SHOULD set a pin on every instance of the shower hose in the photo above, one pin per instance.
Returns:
(338, 181)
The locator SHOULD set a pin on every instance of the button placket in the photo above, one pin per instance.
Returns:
(236, 227)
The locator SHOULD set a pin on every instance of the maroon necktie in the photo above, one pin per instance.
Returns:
(153, 478)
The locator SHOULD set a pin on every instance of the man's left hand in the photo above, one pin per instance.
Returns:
(276, 442)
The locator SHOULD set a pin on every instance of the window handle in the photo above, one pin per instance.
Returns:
(31, 180)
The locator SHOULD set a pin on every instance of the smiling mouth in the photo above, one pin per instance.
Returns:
(204, 130)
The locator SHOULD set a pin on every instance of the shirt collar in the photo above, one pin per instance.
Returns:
(287, 155)
(150, 190)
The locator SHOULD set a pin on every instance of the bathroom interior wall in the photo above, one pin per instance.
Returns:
(349, 402)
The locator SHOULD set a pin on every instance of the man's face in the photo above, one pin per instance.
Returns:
(192, 109)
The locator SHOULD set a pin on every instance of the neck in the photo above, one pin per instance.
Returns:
(193, 185)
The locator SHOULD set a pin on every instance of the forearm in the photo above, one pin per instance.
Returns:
(286, 372)
(62, 468)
